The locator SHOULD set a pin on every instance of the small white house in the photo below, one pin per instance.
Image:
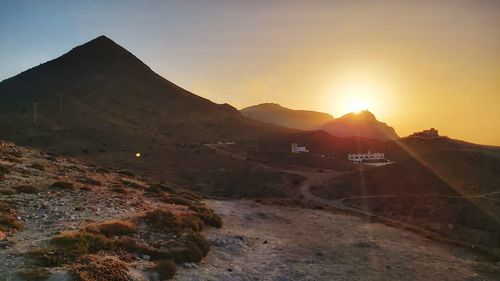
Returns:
(298, 149)
(360, 157)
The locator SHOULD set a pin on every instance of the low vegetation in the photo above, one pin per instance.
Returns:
(63, 185)
(34, 273)
(95, 268)
(112, 228)
(30, 189)
(166, 269)
(165, 220)
(120, 241)
(8, 217)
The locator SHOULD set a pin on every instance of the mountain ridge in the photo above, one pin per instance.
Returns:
(363, 124)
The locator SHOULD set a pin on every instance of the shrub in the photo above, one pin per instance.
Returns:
(176, 200)
(6, 191)
(26, 189)
(45, 257)
(74, 243)
(34, 273)
(8, 222)
(132, 183)
(4, 169)
(166, 220)
(120, 190)
(166, 269)
(88, 180)
(112, 228)
(38, 166)
(92, 268)
(126, 173)
(193, 248)
(138, 248)
(208, 216)
(63, 185)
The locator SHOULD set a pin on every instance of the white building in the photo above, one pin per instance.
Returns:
(298, 149)
(360, 157)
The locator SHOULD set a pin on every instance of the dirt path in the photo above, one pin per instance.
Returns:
(260, 242)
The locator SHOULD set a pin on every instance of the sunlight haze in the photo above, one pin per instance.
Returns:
(390, 57)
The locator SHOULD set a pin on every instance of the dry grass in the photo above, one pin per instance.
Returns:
(166, 269)
(30, 189)
(78, 243)
(90, 181)
(208, 216)
(5, 169)
(34, 273)
(38, 166)
(193, 248)
(95, 268)
(6, 191)
(112, 228)
(63, 185)
(120, 190)
(166, 220)
(8, 217)
(9, 222)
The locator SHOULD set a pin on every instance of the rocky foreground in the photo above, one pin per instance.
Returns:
(63, 220)
(285, 243)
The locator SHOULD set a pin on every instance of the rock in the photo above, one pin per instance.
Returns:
(146, 257)
(188, 265)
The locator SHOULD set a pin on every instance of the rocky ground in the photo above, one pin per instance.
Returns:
(42, 195)
(269, 242)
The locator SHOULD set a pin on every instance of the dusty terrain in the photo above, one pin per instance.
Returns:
(262, 242)
(62, 220)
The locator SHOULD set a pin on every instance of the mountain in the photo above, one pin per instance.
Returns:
(276, 114)
(99, 95)
(101, 104)
(362, 124)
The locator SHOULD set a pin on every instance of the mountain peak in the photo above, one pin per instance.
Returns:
(365, 115)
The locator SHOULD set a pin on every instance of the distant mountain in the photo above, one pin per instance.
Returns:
(362, 124)
(276, 114)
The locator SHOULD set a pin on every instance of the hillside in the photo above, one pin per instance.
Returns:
(452, 192)
(63, 218)
(362, 125)
(282, 116)
(99, 94)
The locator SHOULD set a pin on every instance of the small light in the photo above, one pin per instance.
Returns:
(138, 154)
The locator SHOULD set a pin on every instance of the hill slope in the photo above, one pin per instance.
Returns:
(363, 124)
(100, 92)
(282, 116)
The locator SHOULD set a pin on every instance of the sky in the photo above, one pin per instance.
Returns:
(414, 64)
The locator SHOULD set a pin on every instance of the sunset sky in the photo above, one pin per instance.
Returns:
(415, 64)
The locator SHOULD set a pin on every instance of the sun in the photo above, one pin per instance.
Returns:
(356, 106)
